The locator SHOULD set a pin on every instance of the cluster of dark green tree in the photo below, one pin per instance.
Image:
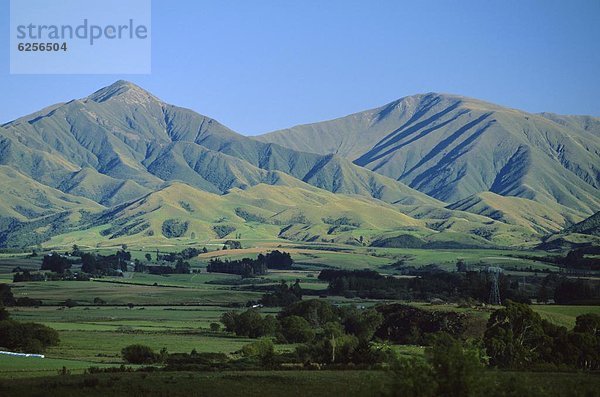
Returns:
(328, 334)
(568, 291)
(185, 254)
(105, 265)
(449, 286)
(68, 275)
(408, 325)
(26, 275)
(518, 338)
(25, 337)
(181, 267)
(57, 263)
(248, 267)
(397, 323)
(91, 263)
(282, 295)
(585, 258)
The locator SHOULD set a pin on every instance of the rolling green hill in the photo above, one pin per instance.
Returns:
(180, 212)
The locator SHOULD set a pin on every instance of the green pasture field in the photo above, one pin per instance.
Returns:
(564, 315)
(26, 367)
(84, 292)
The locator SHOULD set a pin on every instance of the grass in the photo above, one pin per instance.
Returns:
(264, 383)
(28, 367)
(118, 293)
(564, 315)
(271, 383)
(105, 346)
(99, 334)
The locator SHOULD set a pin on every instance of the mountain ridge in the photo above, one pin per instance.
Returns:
(121, 146)
(451, 147)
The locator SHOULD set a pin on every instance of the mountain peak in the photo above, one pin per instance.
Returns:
(125, 91)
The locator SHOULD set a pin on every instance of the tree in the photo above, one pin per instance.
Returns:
(4, 314)
(450, 370)
(363, 323)
(296, 329)
(588, 323)
(139, 354)
(76, 250)
(263, 349)
(70, 303)
(316, 312)
(148, 257)
(55, 263)
(229, 320)
(249, 324)
(6, 296)
(182, 267)
(457, 370)
(513, 336)
(88, 263)
(27, 337)
(215, 327)
(332, 330)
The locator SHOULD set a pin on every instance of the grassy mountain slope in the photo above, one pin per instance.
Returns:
(125, 133)
(519, 211)
(261, 211)
(589, 225)
(22, 198)
(295, 213)
(102, 188)
(452, 147)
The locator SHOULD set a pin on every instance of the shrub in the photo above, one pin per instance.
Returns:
(223, 230)
(174, 228)
(139, 354)
(27, 337)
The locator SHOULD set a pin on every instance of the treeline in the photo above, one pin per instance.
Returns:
(397, 323)
(185, 254)
(460, 286)
(568, 291)
(514, 337)
(91, 263)
(282, 295)
(248, 267)
(579, 259)
(327, 334)
(448, 286)
(105, 265)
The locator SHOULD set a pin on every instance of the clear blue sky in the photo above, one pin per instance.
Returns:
(260, 65)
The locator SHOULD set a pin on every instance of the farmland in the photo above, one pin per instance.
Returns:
(178, 313)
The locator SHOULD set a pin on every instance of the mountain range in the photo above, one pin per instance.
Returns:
(122, 166)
